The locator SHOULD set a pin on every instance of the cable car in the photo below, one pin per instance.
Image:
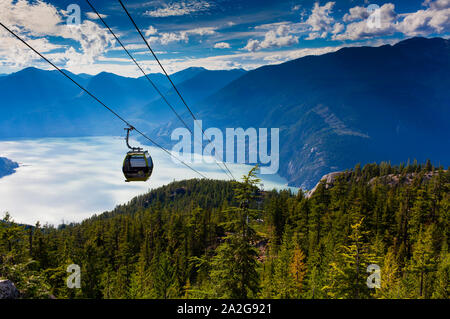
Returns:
(138, 164)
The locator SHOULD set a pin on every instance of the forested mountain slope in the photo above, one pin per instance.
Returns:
(191, 239)
(356, 105)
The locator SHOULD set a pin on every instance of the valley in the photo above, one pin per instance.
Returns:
(356, 105)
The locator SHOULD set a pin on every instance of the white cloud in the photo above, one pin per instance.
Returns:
(13, 53)
(435, 19)
(179, 36)
(26, 20)
(179, 9)
(150, 31)
(130, 47)
(202, 31)
(166, 38)
(35, 18)
(320, 21)
(338, 28)
(39, 19)
(279, 37)
(46, 191)
(356, 13)
(437, 4)
(94, 42)
(127, 69)
(222, 45)
(245, 60)
(381, 22)
(94, 16)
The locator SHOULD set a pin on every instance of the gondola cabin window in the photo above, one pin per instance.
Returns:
(138, 162)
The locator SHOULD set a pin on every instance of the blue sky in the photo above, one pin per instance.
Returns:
(220, 34)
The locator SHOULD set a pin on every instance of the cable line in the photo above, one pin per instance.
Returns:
(170, 80)
(145, 74)
(137, 64)
(99, 101)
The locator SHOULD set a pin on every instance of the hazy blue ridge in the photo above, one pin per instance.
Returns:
(40, 103)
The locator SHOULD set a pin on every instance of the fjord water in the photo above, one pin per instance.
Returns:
(70, 179)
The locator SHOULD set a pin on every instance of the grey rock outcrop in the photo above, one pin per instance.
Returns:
(8, 290)
(327, 179)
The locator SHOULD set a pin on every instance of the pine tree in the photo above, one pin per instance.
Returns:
(390, 281)
(348, 272)
(234, 268)
(284, 281)
(298, 269)
(423, 262)
(163, 278)
(442, 285)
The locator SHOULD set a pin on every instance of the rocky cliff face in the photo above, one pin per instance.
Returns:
(327, 179)
(390, 180)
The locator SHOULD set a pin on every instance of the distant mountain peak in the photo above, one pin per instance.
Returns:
(358, 104)
(421, 41)
(194, 68)
(7, 167)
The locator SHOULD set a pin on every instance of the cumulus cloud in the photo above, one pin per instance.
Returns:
(150, 31)
(356, 13)
(380, 22)
(338, 28)
(222, 45)
(437, 4)
(16, 54)
(384, 21)
(280, 37)
(179, 9)
(434, 19)
(32, 20)
(27, 20)
(36, 18)
(320, 21)
(94, 41)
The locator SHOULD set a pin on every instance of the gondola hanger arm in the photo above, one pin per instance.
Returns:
(129, 129)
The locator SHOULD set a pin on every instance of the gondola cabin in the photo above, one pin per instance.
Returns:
(137, 166)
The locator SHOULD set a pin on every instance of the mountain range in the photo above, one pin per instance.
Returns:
(356, 105)
(40, 103)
